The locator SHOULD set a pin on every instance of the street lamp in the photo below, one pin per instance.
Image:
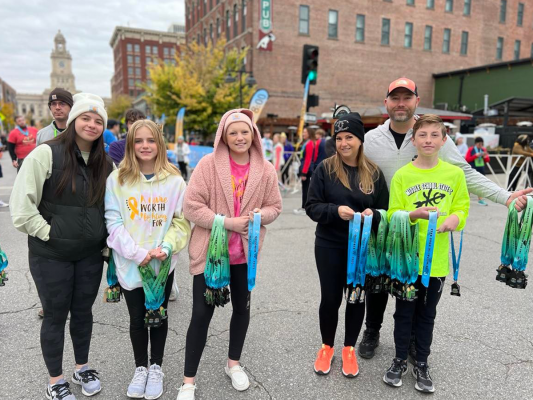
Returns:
(249, 81)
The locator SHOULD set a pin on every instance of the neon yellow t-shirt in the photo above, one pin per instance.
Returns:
(444, 187)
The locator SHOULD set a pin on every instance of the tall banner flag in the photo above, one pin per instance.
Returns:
(257, 103)
(266, 37)
(304, 109)
(179, 124)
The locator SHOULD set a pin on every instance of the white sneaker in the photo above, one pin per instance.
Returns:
(137, 386)
(154, 383)
(239, 379)
(2, 204)
(186, 391)
(299, 211)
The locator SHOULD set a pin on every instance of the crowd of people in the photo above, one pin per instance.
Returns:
(74, 199)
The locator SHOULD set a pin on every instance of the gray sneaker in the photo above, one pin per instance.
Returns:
(154, 385)
(88, 380)
(138, 383)
(59, 391)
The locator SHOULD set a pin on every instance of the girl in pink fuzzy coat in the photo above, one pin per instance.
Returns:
(236, 181)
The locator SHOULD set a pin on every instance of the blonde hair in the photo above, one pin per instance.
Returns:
(129, 169)
(367, 171)
(429, 119)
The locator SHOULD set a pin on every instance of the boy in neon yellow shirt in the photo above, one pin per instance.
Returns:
(424, 185)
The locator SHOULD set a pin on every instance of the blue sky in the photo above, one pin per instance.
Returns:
(28, 28)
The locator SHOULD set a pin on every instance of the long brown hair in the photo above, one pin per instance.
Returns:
(97, 165)
(129, 168)
(367, 171)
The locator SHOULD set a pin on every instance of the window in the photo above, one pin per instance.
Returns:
(210, 4)
(148, 60)
(228, 25)
(235, 21)
(205, 36)
(464, 43)
(517, 49)
(137, 60)
(138, 71)
(130, 71)
(430, 4)
(137, 82)
(448, 6)
(132, 92)
(520, 16)
(218, 28)
(130, 59)
(304, 20)
(155, 51)
(428, 34)
(499, 48)
(166, 52)
(137, 48)
(360, 28)
(243, 9)
(410, 2)
(503, 11)
(211, 32)
(147, 49)
(467, 7)
(332, 24)
(131, 82)
(385, 31)
(408, 38)
(172, 51)
(446, 40)
(129, 47)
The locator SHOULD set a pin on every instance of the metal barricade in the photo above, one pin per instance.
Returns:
(508, 162)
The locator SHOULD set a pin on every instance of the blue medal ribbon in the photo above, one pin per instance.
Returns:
(111, 274)
(456, 261)
(430, 247)
(353, 245)
(363, 251)
(523, 239)
(254, 230)
(3, 260)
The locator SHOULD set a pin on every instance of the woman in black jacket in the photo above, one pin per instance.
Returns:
(342, 185)
(58, 200)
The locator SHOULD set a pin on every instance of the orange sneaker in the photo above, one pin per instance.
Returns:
(323, 360)
(350, 369)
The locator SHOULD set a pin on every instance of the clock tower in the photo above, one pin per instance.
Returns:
(61, 75)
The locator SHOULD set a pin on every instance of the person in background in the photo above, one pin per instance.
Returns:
(182, 156)
(59, 103)
(461, 145)
(477, 157)
(268, 146)
(3, 146)
(111, 133)
(520, 147)
(308, 159)
(21, 141)
(288, 149)
(322, 141)
(279, 160)
(117, 149)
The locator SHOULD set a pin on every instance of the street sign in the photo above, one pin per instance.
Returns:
(310, 118)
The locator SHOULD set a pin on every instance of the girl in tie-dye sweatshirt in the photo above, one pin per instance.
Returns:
(144, 217)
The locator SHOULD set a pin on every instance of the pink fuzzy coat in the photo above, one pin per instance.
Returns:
(210, 192)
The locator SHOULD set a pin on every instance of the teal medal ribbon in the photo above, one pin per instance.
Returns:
(403, 255)
(154, 293)
(3, 266)
(377, 267)
(430, 247)
(217, 270)
(254, 231)
(112, 292)
(353, 245)
(363, 251)
(456, 289)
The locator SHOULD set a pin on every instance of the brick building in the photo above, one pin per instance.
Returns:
(364, 45)
(133, 51)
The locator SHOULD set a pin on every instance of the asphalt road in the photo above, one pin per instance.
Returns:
(482, 349)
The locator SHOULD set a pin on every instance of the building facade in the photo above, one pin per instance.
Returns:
(36, 105)
(362, 46)
(7, 94)
(134, 50)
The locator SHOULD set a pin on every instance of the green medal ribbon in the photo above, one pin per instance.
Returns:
(3, 266)
(113, 291)
(376, 263)
(217, 270)
(154, 285)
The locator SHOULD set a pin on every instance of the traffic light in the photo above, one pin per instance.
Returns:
(312, 101)
(310, 64)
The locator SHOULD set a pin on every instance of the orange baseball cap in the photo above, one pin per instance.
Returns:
(403, 83)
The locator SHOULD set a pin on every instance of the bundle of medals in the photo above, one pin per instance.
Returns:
(112, 292)
(154, 293)
(3, 265)
(403, 256)
(254, 231)
(515, 247)
(217, 271)
(357, 254)
(377, 266)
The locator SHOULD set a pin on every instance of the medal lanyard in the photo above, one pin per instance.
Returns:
(3, 260)
(430, 247)
(353, 244)
(363, 251)
(456, 261)
(254, 231)
(523, 237)
(25, 133)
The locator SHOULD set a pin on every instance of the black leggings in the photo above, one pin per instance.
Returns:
(305, 189)
(331, 265)
(376, 304)
(139, 334)
(202, 314)
(183, 169)
(424, 311)
(64, 287)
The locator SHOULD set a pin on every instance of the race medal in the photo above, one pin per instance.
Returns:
(456, 289)
(217, 270)
(112, 292)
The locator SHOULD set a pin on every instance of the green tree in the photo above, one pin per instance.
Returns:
(118, 106)
(197, 83)
(8, 112)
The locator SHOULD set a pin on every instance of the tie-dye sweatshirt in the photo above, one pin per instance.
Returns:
(142, 217)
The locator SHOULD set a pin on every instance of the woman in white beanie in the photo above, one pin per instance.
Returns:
(58, 200)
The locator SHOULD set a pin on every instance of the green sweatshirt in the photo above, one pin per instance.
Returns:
(28, 191)
(444, 187)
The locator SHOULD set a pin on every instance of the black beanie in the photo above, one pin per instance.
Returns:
(352, 123)
(59, 94)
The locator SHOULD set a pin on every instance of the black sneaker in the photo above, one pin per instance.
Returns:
(367, 347)
(59, 391)
(412, 351)
(424, 383)
(393, 376)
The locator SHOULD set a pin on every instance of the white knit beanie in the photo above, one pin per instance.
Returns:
(87, 102)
